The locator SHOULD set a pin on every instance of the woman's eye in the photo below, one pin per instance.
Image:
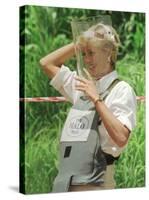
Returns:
(89, 53)
(83, 54)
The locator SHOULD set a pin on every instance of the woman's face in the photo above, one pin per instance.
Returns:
(95, 60)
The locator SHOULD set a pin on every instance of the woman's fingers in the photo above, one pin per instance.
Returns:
(83, 80)
(81, 84)
(80, 88)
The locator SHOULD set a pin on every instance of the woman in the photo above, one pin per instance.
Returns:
(102, 106)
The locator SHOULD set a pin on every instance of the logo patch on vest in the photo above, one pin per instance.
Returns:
(78, 125)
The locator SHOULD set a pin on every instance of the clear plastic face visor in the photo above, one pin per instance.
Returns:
(89, 44)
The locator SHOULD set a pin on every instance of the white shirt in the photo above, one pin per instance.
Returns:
(121, 101)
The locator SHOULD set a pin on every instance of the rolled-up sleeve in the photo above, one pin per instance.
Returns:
(123, 105)
(64, 81)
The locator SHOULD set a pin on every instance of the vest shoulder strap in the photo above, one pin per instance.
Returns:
(112, 85)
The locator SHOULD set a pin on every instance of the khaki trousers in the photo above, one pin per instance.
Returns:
(109, 182)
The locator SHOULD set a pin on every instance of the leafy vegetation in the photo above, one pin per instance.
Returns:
(42, 30)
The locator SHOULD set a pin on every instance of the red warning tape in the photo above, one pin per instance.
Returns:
(60, 99)
(43, 99)
(141, 98)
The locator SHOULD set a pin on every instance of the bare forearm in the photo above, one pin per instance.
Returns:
(117, 131)
(52, 62)
(59, 56)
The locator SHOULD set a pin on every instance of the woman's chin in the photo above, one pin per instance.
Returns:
(92, 72)
(95, 75)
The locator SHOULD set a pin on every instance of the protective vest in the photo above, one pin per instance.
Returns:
(81, 159)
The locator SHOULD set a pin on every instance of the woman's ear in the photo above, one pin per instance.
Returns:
(109, 59)
(107, 51)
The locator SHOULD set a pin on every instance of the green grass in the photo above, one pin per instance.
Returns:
(130, 169)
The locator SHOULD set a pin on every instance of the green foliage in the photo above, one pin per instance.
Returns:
(46, 29)
(133, 73)
(130, 170)
(132, 33)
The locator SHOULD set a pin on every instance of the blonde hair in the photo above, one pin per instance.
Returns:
(101, 35)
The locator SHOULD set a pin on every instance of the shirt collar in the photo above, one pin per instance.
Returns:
(103, 83)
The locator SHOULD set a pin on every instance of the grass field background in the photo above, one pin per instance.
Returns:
(43, 30)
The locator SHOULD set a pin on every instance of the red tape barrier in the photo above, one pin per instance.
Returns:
(43, 99)
(60, 99)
